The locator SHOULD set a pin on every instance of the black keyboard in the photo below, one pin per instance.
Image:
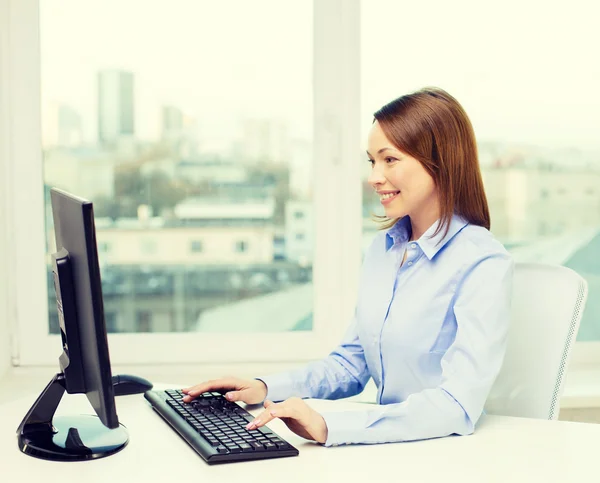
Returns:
(216, 427)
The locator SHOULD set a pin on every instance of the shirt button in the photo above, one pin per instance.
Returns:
(413, 245)
(409, 264)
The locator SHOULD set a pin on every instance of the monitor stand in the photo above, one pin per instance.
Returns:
(66, 438)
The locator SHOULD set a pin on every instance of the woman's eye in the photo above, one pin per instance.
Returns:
(390, 160)
(370, 161)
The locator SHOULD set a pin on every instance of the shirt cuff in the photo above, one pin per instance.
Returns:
(279, 387)
(345, 427)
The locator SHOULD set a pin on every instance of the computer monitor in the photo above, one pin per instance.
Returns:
(84, 362)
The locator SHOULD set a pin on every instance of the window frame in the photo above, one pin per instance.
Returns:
(336, 156)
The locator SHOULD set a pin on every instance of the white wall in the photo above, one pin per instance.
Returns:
(4, 312)
(4, 253)
(4, 153)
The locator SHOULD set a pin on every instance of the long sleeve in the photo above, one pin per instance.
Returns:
(343, 373)
(469, 368)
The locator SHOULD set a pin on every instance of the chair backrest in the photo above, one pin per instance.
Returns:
(547, 306)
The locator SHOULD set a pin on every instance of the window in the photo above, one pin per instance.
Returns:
(196, 246)
(241, 246)
(538, 145)
(148, 246)
(143, 322)
(110, 319)
(169, 154)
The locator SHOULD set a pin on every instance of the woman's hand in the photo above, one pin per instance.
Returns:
(250, 391)
(297, 415)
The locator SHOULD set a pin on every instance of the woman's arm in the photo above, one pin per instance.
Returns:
(343, 373)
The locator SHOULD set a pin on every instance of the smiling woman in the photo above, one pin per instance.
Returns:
(431, 321)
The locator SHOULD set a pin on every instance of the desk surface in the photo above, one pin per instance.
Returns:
(502, 449)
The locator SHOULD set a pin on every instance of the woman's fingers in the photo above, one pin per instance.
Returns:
(272, 411)
(212, 385)
(297, 416)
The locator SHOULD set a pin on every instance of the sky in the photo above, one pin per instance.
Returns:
(526, 71)
(217, 61)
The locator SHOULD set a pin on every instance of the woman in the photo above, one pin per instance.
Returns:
(432, 316)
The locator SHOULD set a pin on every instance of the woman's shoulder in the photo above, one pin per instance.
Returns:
(478, 242)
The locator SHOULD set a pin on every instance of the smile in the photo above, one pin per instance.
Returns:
(388, 197)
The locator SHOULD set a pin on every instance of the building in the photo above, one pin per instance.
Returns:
(159, 275)
(299, 232)
(172, 123)
(134, 242)
(212, 171)
(62, 126)
(265, 141)
(115, 106)
(527, 203)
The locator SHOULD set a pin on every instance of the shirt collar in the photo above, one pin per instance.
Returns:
(430, 245)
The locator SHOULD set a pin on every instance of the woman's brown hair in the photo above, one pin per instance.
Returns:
(431, 126)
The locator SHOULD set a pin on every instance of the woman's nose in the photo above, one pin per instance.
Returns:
(375, 177)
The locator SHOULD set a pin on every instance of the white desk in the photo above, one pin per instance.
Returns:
(502, 450)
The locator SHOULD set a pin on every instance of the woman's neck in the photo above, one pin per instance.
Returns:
(420, 224)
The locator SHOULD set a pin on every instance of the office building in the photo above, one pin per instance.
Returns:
(115, 106)
(527, 203)
(62, 126)
(172, 122)
(299, 231)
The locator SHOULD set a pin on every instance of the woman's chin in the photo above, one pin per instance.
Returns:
(394, 214)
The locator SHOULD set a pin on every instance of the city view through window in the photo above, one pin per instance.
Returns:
(198, 159)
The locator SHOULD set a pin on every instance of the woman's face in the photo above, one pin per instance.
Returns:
(403, 184)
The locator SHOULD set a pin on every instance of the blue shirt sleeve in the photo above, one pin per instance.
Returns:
(343, 373)
(469, 368)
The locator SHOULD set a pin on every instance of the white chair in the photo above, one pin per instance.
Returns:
(547, 306)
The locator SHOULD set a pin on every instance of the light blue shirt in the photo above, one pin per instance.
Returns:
(431, 333)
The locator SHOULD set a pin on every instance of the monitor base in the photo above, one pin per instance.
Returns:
(73, 438)
(66, 438)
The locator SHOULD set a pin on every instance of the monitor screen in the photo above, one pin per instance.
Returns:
(85, 360)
